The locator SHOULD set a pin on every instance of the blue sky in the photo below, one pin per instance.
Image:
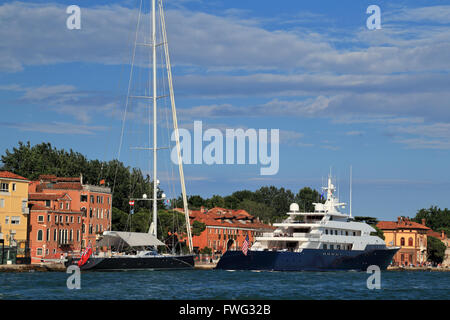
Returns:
(340, 94)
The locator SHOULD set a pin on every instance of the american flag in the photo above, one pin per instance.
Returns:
(245, 246)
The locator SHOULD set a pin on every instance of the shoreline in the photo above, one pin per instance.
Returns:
(58, 267)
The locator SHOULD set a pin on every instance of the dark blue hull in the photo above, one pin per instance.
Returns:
(307, 260)
(135, 263)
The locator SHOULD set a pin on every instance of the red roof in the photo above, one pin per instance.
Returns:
(45, 196)
(227, 218)
(404, 223)
(10, 175)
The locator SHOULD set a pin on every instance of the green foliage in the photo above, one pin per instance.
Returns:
(435, 218)
(205, 250)
(435, 249)
(197, 228)
(373, 223)
(32, 161)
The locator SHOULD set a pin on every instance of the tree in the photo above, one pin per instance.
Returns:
(435, 250)
(197, 228)
(435, 218)
(373, 223)
(305, 199)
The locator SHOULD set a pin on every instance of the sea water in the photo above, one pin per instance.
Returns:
(220, 284)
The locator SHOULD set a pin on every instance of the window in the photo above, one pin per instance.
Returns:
(98, 199)
(61, 205)
(55, 235)
(6, 219)
(47, 203)
(71, 235)
(331, 247)
(2, 203)
(13, 187)
(90, 212)
(83, 198)
(67, 219)
(402, 242)
(47, 236)
(40, 218)
(46, 251)
(410, 242)
(325, 246)
(39, 251)
(49, 217)
(67, 205)
(39, 235)
(326, 231)
(78, 235)
(79, 219)
(56, 219)
(92, 199)
(71, 219)
(15, 220)
(4, 187)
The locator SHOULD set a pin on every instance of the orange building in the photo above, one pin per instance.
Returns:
(54, 226)
(225, 228)
(410, 236)
(95, 203)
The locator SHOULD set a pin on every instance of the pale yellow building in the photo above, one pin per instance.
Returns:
(410, 236)
(13, 209)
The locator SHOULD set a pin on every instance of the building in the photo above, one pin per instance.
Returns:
(410, 236)
(14, 210)
(225, 228)
(95, 203)
(54, 227)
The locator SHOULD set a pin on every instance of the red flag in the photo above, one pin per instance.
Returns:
(102, 182)
(85, 256)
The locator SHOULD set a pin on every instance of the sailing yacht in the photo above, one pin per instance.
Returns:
(323, 240)
(144, 245)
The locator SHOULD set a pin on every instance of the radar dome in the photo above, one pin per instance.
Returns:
(294, 207)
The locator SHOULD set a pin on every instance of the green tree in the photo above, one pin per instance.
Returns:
(435, 249)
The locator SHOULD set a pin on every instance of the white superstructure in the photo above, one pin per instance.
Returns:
(325, 228)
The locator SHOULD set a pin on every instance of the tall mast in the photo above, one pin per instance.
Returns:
(175, 126)
(155, 181)
(350, 191)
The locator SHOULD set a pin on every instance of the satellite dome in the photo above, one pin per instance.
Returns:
(294, 207)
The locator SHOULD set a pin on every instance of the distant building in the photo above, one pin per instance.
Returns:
(225, 228)
(410, 236)
(94, 203)
(13, 210)
(54, 226)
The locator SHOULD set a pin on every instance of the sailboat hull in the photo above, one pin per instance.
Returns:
(307, 260)
(121, 263)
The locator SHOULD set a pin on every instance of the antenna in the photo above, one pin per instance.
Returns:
(350, 191)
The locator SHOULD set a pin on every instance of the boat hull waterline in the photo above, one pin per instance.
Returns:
(307, 260)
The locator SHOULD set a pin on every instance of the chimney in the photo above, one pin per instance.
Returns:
(423, 221)
(399, 219)
(442, 234)
(81, 178)
(202, 209)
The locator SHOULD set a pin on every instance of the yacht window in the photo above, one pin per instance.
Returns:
(325, 246)
(346, 233)
(331, 247)
(326, 231)
(335, 232)
(338, 247)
